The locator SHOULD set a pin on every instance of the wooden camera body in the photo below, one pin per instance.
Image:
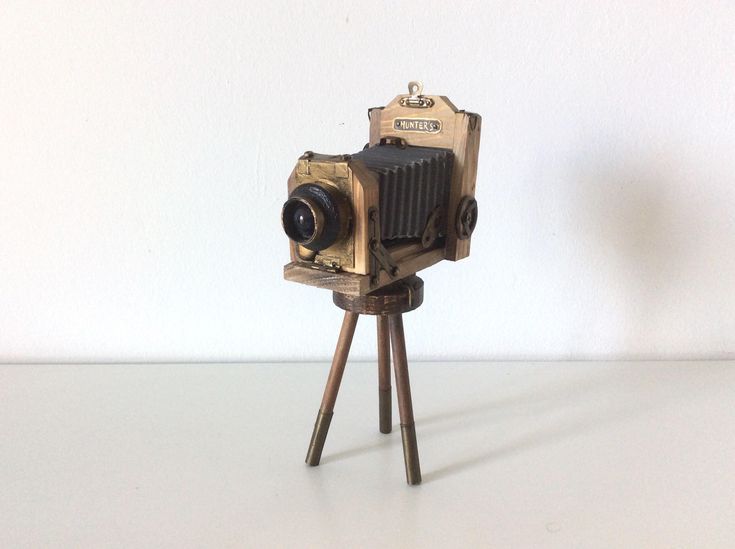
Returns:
(359, 222)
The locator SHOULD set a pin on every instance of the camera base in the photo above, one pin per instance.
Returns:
(388, 304)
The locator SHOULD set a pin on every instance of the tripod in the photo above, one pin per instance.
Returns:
(388, 304)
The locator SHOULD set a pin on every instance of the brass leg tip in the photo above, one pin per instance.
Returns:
(318, 437)
(411, 454)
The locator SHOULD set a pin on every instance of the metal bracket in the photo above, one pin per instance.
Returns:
(433, 227)
(415, 98)
(380, 258)
(370, 112)
(393, 140)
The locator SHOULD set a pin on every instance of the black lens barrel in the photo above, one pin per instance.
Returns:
(311, 216)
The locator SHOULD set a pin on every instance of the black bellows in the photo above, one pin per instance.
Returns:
(414, 181)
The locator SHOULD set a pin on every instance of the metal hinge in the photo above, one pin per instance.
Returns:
(415, 98)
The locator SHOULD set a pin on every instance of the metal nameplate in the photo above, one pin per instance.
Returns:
(420, 125)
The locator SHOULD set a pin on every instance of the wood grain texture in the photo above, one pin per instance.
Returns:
(375, 115)
(347, 283)
(443, 110)
(365, 193)
(466, 150)
(400, 297)
(411, 258)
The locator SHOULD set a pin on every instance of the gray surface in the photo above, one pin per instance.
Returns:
(513, 455)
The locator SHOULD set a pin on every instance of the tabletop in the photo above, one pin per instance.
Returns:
(514, 454)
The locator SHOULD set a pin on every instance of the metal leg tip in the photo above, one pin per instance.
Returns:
(411, 454)
(318, 437)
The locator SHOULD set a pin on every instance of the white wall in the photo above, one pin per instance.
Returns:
(144, 150)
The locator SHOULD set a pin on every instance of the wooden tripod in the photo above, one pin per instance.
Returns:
(388, 304)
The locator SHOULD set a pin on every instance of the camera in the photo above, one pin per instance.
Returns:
(358, 222)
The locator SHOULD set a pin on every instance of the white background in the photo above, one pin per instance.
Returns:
(144, 151)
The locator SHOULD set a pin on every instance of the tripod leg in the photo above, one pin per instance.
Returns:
(384, 402)
(405, 408)
(326, 410)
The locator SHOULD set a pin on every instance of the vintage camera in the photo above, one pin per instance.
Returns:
(406, 201)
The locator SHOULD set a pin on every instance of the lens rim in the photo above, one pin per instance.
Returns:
(333, 217)
(288, 224)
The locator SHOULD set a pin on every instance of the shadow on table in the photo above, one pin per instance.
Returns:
(600, 398)
(436, 424)
(624, 391)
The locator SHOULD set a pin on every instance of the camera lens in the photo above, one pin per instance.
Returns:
(312, 216)
(303, 223)
(303, 220)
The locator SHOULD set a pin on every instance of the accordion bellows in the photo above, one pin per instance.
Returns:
(414, 181)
